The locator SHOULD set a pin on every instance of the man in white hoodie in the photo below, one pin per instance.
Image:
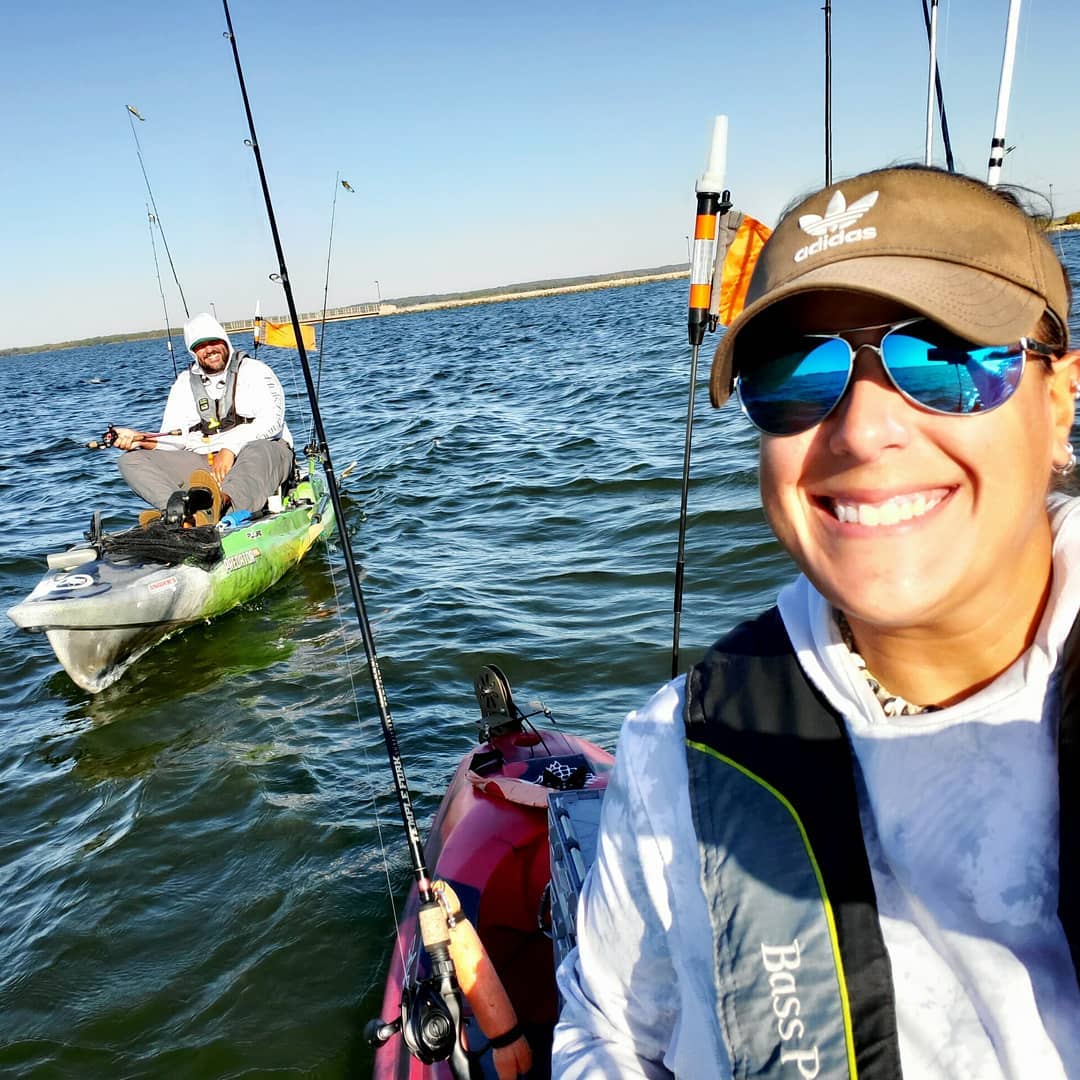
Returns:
(229, 411)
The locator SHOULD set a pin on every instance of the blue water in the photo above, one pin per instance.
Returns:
(197, 865)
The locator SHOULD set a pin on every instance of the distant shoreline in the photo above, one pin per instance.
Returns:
(404, 306)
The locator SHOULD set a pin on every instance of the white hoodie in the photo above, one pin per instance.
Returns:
(959, 810)
(258, 395)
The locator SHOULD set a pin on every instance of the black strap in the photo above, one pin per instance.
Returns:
(1069, 793)
(507, 1038)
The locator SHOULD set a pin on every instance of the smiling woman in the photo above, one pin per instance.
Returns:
(869, 864)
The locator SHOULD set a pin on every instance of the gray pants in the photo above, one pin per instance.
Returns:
(260, 469)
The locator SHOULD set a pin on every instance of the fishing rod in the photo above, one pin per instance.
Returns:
(108, 440)
(828, 91)
(712, 201)
(133, 114)
(931, 36)
(437, 1025)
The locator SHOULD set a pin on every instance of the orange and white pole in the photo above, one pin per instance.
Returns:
(710, 196)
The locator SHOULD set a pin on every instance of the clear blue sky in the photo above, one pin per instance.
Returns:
(488, 143)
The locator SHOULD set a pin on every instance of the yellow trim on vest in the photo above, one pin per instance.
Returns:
(834, 940)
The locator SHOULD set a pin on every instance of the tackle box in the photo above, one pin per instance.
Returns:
(573, 827)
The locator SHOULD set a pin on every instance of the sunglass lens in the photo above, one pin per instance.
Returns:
(797, 387)
(949, 378)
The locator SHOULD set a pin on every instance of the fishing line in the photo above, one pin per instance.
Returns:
(161, 290)
(133, 112)
(369, 769)
(326, 284)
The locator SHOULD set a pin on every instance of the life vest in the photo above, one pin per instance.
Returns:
(219, 415)
(801, 968)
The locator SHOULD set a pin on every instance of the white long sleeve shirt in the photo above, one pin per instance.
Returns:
(959, 810)
(258, 394)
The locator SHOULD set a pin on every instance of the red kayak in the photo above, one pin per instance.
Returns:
(490, 842)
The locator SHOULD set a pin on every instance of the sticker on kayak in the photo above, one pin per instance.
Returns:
(67, 582)
(241, 559)
(62, 586)
(164, 583)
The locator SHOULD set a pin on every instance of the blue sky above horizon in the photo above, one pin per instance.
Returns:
(488, 145)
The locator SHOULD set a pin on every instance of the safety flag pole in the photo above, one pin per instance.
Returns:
(712, 200)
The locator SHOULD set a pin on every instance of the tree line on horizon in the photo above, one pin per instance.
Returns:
(501, 290)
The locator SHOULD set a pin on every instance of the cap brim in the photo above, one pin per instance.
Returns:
(980, 307)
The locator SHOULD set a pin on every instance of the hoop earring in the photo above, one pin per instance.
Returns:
(1064, 470)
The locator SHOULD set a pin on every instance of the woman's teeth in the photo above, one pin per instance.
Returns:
(890, 512)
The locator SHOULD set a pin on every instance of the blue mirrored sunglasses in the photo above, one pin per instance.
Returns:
(789, 386)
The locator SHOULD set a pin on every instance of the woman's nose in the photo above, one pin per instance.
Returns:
(872, 416)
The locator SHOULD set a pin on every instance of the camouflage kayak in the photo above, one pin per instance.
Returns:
(107, 601)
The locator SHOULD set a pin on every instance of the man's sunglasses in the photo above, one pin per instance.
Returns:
(789, 386)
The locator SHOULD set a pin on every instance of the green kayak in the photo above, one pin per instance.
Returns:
(108, 601)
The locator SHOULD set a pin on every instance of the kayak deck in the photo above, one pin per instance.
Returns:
(490, 841)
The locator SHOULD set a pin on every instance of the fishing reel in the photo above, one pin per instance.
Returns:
(426, 1024)
(106, 442)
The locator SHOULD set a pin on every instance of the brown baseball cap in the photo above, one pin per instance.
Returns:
(944, 245)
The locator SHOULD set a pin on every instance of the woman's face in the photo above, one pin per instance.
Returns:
(902, 517)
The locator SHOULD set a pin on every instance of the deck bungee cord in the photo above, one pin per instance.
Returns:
(154, 218)
(430, 1020)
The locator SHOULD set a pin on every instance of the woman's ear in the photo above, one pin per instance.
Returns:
(1064, 391)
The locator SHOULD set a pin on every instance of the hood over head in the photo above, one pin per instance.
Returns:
(204, 327)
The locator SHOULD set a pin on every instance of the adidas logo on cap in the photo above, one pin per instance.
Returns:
(832, 228)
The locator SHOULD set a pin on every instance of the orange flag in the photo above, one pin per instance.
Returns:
(738, 268)
(281, 335)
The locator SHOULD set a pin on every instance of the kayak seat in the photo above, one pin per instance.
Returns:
(499, 714)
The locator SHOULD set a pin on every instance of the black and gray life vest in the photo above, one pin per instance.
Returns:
(803, 977)
(219, 415)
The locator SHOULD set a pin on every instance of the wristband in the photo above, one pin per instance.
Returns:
(506, 1038)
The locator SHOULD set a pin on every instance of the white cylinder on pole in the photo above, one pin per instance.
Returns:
(997, 143)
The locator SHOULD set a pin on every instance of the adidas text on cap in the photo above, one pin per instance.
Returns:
(944, 245)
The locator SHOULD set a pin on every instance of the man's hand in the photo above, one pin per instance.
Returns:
(130, 439)
(222, 463)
